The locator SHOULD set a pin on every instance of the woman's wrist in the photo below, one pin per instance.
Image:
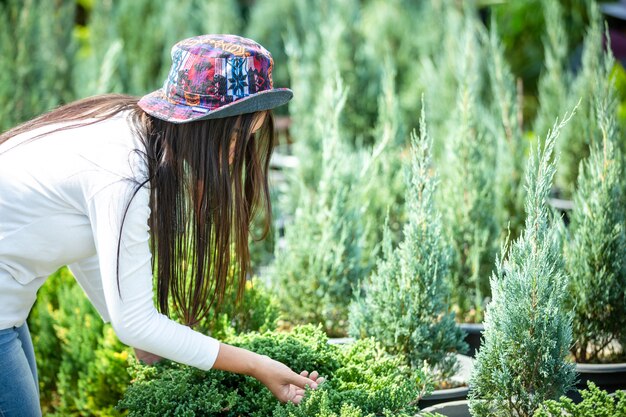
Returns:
(238, 360)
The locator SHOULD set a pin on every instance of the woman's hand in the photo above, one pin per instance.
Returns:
(285, 384)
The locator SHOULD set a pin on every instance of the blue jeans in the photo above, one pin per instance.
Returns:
(19, 386)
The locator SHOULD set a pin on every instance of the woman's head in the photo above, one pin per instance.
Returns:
(211, 136)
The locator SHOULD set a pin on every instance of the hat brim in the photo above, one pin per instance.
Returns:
(157, 105)
(617, 10)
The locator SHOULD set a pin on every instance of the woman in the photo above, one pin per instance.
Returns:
(104, 183)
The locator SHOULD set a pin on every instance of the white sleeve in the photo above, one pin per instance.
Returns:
(132, 311)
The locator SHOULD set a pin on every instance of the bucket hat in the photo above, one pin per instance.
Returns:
(215, 76)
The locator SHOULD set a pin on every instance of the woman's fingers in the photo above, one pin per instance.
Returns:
(304, 373)
(314, 375)
(302, 381)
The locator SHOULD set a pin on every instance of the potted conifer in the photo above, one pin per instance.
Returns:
(527, 328)
(470, 194)
(404, 303)
(596, 252)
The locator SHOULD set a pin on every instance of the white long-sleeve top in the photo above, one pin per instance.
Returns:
(62, 198)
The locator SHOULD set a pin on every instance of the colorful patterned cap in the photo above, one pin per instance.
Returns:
(215, 76)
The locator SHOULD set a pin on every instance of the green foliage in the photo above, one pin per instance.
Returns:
(468, 195)
(527, 329)
(82, 365)
(353, 387)
(322, 258)
(561, 90)
(257, 311)
(511, 145)
(595, 257)
(595, 403)
(553, 86)
(116, 57)
(405, 302)
(37, 56)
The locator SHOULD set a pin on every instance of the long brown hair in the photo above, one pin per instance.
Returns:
(201, 205)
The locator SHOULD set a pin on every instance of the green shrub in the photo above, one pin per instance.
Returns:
(595, 403)
(38, 51)
(82, 365)
(404, 305)
(361, 376)
(563, 90)
(511, 144)
(527, 329)
(322, 258)
(595, 257)
(468, 194)
(257, 311)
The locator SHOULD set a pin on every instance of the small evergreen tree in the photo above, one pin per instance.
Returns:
(510, 143)
(527, 330)
(405, 302)
(596, 255)
(468, 185)
(322, 256)
(555, 80)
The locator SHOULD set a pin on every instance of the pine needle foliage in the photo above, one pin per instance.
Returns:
(468, 195)
(508, 130)
(555, 80)
(361, 380)
(322, 257)
(527, 329)
(596, 261)
(595, 403)
(405, 303)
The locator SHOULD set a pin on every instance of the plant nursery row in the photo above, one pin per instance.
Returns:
(419, 260)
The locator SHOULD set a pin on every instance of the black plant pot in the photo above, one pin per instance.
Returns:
(610, 377)
(466, 366)
(451, 409)
(441, 396)
(473, 335)
(607, 376)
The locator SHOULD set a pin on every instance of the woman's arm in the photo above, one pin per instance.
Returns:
(285, 384)
(134, 317)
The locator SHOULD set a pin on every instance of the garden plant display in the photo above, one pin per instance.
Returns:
(494, 78)
(362, 380)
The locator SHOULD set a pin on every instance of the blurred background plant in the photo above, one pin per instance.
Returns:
(404, 304)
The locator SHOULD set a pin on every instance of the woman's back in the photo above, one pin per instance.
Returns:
(46, 185)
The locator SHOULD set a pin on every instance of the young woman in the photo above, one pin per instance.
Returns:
(118, 188)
